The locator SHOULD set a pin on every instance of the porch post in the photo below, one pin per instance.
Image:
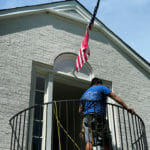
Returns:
(49, 114)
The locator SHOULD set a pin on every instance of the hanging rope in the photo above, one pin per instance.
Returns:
(94, 15)
(56, 111)
(58, 128)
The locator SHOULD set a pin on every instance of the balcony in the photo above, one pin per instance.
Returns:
(56, 126)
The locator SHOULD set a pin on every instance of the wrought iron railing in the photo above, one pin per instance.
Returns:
(32, 126)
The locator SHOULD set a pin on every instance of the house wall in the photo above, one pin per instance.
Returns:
(41, 38)
(129, 80)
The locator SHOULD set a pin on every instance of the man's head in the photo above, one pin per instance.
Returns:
(96, 81)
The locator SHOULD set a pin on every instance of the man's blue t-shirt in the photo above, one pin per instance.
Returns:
(94, 99)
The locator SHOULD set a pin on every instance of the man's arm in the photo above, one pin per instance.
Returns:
(80, 109)
(120, 101)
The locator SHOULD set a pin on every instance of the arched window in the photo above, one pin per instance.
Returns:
(65, 64)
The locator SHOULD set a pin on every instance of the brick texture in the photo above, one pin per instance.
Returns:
(42, 38)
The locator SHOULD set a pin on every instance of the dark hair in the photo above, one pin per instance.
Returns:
(96, 81)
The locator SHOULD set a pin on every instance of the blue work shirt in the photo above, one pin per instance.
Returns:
(94, 99)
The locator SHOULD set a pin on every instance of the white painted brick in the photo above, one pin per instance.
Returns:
(42, 38)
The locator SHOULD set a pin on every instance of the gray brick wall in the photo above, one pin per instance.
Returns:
(129, 80)
(41, 38)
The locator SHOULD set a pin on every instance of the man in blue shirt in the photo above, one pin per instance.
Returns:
(93, 108)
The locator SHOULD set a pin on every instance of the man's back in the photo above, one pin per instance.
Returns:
(94, 99)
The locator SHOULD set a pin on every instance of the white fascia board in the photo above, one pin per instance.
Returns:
(64, 15)
(55, 9)
(32, 9)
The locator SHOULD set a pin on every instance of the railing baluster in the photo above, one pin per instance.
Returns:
(131, 136)
(110, 139)
(59, 117)
(114, 124)
(140, 132)
(143, 130)
(129, 128)
(18, 145)
(12, 132)
(74, 129)
(144, 137)
(66, 124)
(125, 128)
(120, 128)
(29, 128)
(46, 124)
(145, 140)
(133, 132)
(24, 121)
(15, 132)
(138, 137)
(137, 133)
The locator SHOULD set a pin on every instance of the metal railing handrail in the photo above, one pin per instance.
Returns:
(136, 129)
(36, 105)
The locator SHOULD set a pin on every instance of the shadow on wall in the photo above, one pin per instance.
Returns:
(18, 24)
(119, 62)
(26, 23)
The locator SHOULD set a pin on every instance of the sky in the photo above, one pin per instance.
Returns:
(128, 19)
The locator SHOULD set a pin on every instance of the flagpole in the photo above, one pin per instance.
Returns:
(89, 27)
(94, 14)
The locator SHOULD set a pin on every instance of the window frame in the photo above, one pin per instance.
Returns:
(47, 71)
(40, 70)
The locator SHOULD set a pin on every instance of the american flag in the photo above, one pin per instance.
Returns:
(84, 52)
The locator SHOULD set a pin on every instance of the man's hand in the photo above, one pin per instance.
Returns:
(131, 110)
(80, 109)
(120, 101)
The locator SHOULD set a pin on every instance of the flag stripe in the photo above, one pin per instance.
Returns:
(79, 63)
(77, 67)
(81, 57)
(80, 60)
(83, 53)
(85, 56)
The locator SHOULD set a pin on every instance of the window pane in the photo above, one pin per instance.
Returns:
(40, 83)
(39, 97)
(38, 113)
(36, 143)
(37, 128)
